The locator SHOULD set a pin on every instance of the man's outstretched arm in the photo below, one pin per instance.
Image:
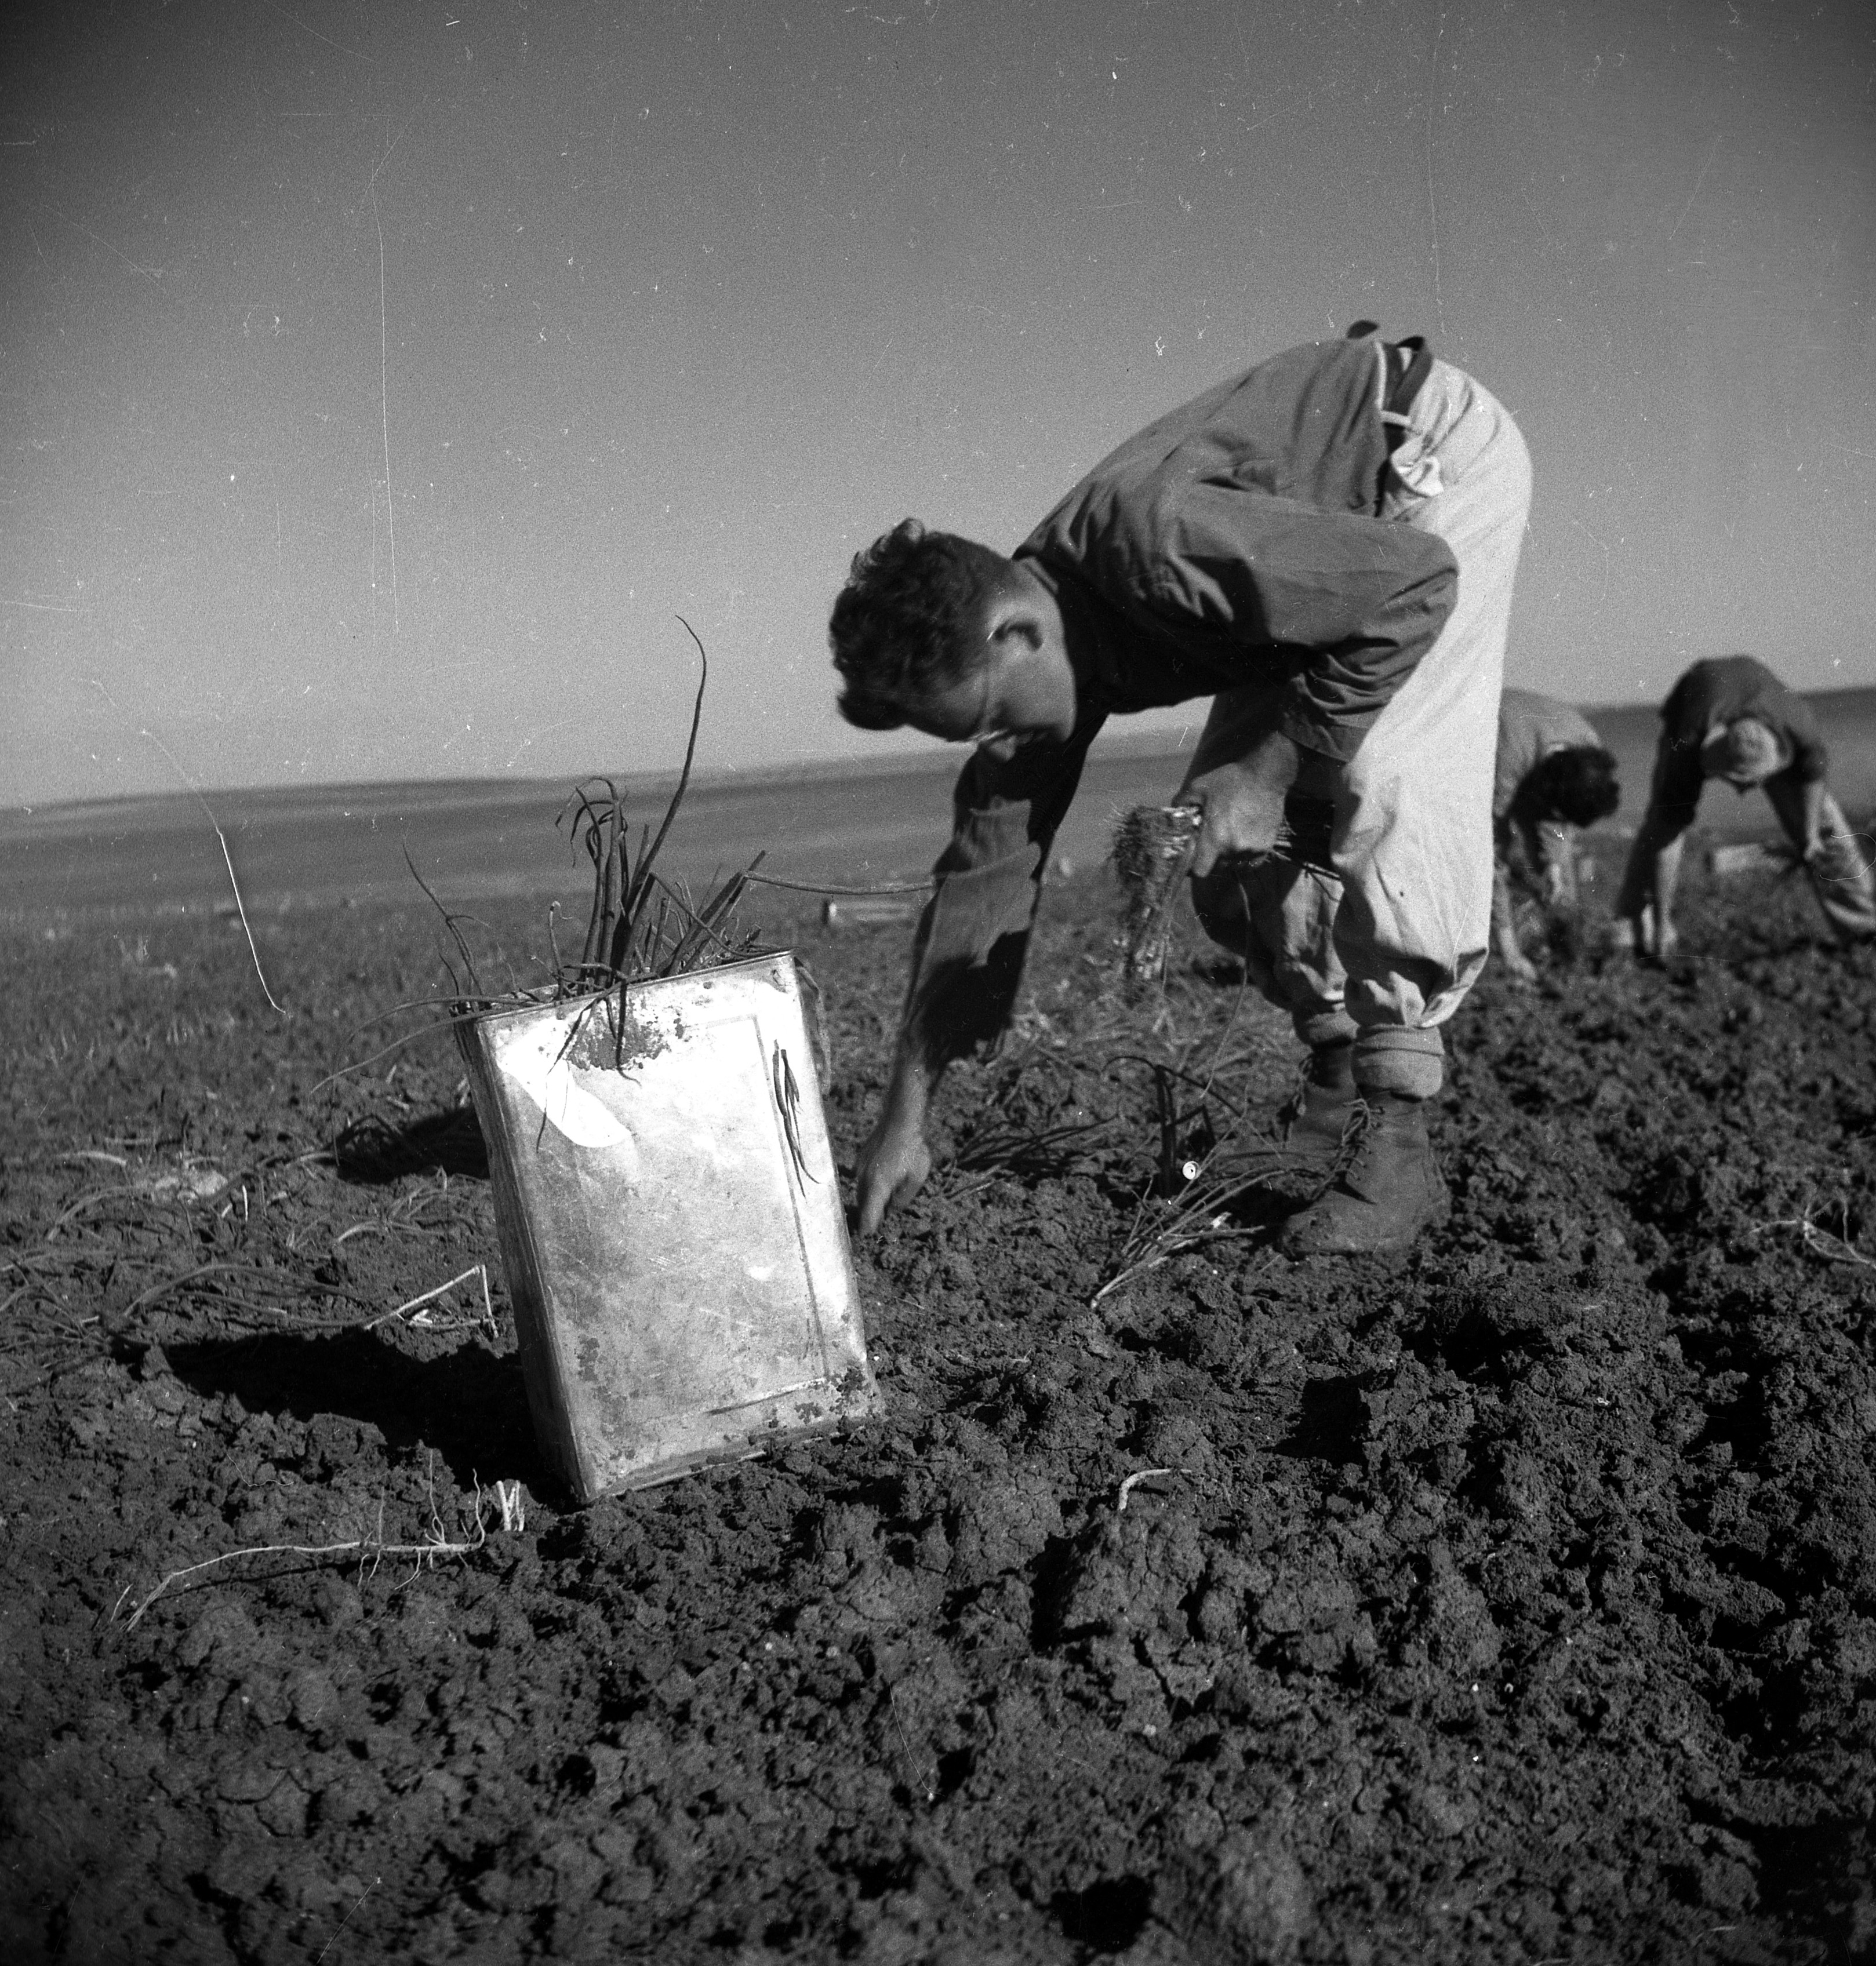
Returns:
(945, 1004)
(969, 952)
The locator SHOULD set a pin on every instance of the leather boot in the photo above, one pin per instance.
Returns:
(1317, 1119)
(1390, 1190)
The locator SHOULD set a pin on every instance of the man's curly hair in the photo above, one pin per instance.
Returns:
(907, 623)
(1577, 784)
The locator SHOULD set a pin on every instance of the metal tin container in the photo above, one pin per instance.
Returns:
(670, 1222)
(873, 910)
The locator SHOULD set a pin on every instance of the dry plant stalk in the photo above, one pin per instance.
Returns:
(626, 941)
(1195, 1197)
(424, 1322)
(1153, 846)
(371, 1551)
(640, 927)
(1821, 1242)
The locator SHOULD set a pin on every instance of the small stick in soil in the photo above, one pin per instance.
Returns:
(431, 1296)
(926, 1772)
(1133, 1480)
(512, 1505)
(227, 860)
(347, 1919)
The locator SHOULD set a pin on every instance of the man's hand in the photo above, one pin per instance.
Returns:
(892, 1168)
(1242, 802)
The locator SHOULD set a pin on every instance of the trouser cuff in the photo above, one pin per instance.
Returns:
(1394, 1059)
(1330, 1026)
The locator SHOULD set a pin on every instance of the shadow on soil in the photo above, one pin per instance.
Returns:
(468, 1406)
(1107, 1916)
(371, 1152)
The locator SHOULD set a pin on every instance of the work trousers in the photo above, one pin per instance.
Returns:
(1370, 920)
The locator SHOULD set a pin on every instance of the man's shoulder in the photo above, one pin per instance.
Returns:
(1300, 426)
(1547, 722)
(1267, 410)
(1719, 675)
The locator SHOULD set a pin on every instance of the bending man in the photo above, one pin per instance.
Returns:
(1554, 778)
(1729, 717)
(1324, 546)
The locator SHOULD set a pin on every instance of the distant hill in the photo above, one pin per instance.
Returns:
(855, 825)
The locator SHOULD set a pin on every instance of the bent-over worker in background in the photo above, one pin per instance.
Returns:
(1325, 546)
(1554, 778)
(1729, 717)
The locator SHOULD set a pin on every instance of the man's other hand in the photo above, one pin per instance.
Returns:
(892, 1168)
(1243, 803)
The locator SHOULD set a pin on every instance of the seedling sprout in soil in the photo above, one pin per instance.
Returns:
(640, 927)
(627, 941)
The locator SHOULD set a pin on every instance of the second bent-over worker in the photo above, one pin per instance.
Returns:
(1554, 777)
(1325, 546)
(1729, 717)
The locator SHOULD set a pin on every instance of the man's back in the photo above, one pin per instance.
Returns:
(1530, 727)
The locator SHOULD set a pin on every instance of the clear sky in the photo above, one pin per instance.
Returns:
(380, 381)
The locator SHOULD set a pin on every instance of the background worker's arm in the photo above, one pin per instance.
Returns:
(1647, 898)
(1553, 848)
(1667, 877)
(1811, 797)
(1810, 765)
(1504, 933)
(969, 952)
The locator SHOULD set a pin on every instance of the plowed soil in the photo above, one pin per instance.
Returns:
(1513, 1600)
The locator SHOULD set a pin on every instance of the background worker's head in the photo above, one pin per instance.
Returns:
(1745, 752)
(942, 634)
(1577, 784)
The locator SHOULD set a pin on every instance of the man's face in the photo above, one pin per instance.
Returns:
(1745, 753)
(960, 712)
(1020, 692)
